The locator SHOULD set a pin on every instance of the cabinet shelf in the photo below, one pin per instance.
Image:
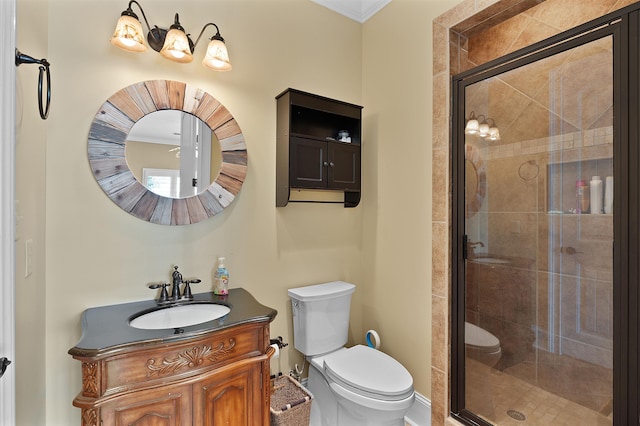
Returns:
(309, 155)
(324, 139)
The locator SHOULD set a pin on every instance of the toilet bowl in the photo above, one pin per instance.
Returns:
(481, 345)
(353, 386)
(359, 386)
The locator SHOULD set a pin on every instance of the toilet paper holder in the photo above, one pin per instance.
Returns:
(278, 341)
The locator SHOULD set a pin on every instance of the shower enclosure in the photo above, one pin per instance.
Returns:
(544, 142)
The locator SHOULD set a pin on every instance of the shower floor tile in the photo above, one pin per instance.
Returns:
(493, 395)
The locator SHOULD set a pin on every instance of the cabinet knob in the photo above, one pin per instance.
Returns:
(324, 163)
(331, 163)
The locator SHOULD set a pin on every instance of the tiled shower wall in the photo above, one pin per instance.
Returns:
(470, 34)
(530, 189)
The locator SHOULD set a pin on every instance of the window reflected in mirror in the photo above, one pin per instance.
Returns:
(173, 154)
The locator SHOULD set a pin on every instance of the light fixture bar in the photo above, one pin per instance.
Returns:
(173, 44)
(480, 126)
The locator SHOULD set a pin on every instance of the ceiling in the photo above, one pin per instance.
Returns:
(358, 10)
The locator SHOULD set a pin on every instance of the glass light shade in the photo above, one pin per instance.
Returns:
(472, 127)
(176, 47)
(129, 35)
(494, 134)
(483, 130)
(217, 57)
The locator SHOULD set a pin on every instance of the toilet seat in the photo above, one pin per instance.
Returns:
(369, 372)
(480, 339)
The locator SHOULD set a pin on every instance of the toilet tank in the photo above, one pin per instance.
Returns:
(321, 316)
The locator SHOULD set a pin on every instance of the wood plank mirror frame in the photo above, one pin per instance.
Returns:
(106, 149)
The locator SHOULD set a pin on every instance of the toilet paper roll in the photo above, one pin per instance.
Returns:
(276, 355)
(373, 340)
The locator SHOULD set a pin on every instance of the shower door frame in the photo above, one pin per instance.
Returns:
(624, 28)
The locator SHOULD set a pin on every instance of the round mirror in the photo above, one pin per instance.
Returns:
(475, 180)
(167, 152)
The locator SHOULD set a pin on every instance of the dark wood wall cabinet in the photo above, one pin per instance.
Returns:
(312, 152)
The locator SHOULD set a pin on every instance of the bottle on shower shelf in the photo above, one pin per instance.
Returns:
(596, 195)
(582, 196)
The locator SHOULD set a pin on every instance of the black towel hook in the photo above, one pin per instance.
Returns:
(44, 67)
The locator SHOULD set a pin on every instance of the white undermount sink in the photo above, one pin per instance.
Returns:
(179, 316)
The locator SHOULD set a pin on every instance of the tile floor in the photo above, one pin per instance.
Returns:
(494, 393)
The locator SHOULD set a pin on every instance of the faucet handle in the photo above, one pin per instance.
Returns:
(186, 293)
(164, 294)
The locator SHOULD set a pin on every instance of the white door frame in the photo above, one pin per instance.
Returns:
(7, 206)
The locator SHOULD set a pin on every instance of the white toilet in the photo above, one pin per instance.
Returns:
(350, 386)
(481, 344)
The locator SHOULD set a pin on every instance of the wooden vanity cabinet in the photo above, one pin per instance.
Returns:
(309, 154)
(170, 406)
(218, 379)
(229, 397)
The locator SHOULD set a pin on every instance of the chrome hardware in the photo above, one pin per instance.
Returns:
(186, 292)
(176, 276)
(177, 280)
(278, 341)
(164, 295)
(21, 58)
(569, 250)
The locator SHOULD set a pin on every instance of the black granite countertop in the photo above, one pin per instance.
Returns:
(106, 330)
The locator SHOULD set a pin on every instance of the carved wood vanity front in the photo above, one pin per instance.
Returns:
(217, 377)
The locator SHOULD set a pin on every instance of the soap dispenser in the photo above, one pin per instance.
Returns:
(221, 279)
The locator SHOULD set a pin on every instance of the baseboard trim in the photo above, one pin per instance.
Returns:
(420, 413)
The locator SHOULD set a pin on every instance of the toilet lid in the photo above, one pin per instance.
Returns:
(369, 372)
(479, 338)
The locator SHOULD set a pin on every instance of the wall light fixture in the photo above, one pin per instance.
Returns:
(173, 44)
(482, 128)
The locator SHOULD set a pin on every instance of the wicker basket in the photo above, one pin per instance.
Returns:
(290, 403)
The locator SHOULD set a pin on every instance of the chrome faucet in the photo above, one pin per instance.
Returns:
(176, 276)
(471, 246)
(177, 280)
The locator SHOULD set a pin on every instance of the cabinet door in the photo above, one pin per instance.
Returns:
(169, 406)
(307, 163)
(344, 166)
(229, 397)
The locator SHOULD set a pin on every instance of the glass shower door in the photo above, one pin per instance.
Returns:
(538, 268)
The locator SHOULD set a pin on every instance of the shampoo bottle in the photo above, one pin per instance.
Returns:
(582, 196)
(608, 195)
(221, 279)
(596, 195)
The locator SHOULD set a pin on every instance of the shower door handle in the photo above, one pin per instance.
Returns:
(4, 363)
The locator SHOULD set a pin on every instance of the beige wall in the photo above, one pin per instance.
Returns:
(96, 254)
(31, 134)
(142, 155)
(396, 244)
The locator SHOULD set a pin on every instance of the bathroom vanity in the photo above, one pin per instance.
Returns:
(212, 373)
